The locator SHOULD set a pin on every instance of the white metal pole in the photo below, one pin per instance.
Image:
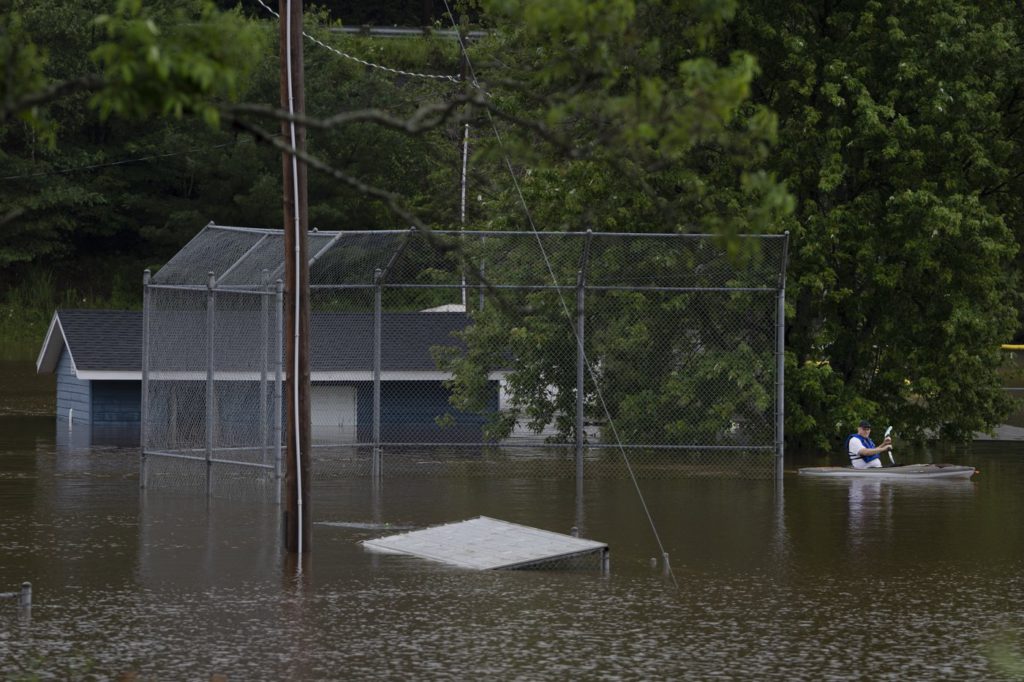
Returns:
(462, 206)
(377, 321)
(296, 379)
(780, 363)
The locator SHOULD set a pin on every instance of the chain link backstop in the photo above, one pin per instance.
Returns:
(472, 353)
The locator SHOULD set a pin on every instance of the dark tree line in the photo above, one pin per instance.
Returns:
(885, 138)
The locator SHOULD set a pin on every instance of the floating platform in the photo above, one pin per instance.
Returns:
(486, 544)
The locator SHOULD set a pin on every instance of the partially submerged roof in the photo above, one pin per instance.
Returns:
(97, 341)
(484, 543)
(344, 341)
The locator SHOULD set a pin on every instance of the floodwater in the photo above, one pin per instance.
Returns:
(813, 580)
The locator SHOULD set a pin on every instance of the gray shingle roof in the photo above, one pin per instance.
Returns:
(344, 341)
(104, 340)
(111, 340)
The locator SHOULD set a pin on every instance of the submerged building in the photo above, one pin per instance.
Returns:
(97, 358)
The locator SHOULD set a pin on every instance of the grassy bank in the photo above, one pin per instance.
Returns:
(27, 307)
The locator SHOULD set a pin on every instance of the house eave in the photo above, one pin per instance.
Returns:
(109, 375)
(53, 343)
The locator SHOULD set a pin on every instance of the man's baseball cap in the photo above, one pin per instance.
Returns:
(865, 424)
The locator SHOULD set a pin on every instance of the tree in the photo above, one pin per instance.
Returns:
(101, 181)
(626, 118)
(99, 83)
(900, 135)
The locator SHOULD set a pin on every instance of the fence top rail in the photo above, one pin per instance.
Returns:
(513, 287)
(249, 258)
(499, 233)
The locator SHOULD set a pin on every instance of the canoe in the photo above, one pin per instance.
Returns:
(904, 472)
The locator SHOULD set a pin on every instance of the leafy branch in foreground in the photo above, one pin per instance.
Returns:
(178, 65)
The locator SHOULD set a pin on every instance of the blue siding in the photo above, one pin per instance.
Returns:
(95, 402)
(409, 413)
(116, 402)
(72, 393)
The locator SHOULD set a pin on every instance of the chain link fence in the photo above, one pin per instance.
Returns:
(472, 354)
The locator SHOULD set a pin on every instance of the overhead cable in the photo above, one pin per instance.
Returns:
(364, 62)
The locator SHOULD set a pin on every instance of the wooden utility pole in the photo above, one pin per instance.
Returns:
(297, 522)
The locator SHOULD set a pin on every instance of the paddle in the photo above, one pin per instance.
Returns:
(887, 432)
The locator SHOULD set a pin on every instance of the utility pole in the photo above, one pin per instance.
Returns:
(297, 521)
(296, 401)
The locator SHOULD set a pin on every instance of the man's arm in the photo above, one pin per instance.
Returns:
(885, 446)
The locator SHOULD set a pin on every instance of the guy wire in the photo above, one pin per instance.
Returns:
(565, 308)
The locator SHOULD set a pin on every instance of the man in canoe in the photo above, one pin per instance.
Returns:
(862, 450)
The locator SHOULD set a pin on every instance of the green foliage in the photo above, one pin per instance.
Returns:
(899, 132)
(129, 182)
(27, 307)
(72, 206)
(199, 53)
(142, 61)
(21, 62)
(641, 125)
(896, 128)
(648, 116)
(886, 138)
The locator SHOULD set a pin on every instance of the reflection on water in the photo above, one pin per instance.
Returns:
(881, 512)
(170, 585)
(870, 514)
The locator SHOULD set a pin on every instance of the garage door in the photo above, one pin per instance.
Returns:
(333, 413)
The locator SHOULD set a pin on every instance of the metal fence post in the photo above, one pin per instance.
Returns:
(580, 373)
(780, 373)
(210, 334)
(692, 302)
(144, 396)
(278, 383)
(780, 365)
(377, 315)
(581, 291)
(264, 362)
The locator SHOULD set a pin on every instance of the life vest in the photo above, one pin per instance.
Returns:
(866, 442)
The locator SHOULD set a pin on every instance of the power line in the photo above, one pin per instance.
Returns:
(364, 62)
(407, 32)
(123, 162)
(568, 315)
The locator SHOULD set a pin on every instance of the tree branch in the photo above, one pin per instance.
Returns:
(54, 91)
(424, 119)
(11, 215)
(390, 199)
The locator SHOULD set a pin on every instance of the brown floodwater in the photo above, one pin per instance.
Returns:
(813, 579)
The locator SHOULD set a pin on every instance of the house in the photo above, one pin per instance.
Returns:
(97, 357)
